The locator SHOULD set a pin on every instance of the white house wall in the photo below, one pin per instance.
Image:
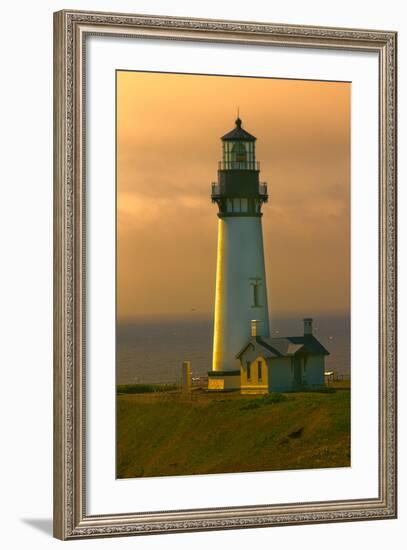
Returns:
(314, 372)
(254, 384)
(280, 374)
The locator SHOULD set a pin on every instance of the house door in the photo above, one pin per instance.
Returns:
(297, 371)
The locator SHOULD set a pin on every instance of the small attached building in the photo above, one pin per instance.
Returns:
(282, 364)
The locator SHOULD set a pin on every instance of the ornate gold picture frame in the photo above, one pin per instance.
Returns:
(71, 517)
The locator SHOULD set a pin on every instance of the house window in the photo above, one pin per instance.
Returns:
(259, 372)
(248, 370)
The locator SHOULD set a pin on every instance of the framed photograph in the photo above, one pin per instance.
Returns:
(225, 274)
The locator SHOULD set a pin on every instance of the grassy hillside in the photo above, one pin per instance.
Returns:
(164, 434)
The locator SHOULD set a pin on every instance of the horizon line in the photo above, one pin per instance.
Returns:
(208, 315)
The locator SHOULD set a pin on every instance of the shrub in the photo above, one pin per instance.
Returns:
(269, 399)
(145, 388)
(274, 397)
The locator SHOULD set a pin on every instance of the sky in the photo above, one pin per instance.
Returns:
(168, 146)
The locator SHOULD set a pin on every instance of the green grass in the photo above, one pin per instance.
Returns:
(164, 434)
(269, 399)
(145, 388)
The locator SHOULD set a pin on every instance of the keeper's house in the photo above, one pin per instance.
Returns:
(281, 364)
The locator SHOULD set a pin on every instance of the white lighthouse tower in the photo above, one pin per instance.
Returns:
(241, 293)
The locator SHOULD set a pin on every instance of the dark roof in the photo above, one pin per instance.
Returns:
(288, 346)
(238, 134)
(254, 342)
(291, 344)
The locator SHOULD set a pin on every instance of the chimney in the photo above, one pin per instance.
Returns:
(254, 327)
(308, 327)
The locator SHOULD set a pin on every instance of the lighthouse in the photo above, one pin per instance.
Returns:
(241, 292)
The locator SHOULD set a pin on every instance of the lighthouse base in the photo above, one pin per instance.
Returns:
(224, 380)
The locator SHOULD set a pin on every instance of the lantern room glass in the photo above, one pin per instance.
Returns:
(239, 155)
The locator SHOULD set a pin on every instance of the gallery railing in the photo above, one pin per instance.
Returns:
(236, 165)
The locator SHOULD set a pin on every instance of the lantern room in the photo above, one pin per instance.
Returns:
(238, 149)
(238, 191)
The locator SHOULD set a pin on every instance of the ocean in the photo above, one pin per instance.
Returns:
(152, 351)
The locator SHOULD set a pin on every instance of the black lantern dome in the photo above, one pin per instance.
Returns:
(238, 133)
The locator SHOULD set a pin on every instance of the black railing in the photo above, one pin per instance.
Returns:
(263, 188)
(236, 165)
(215, 189)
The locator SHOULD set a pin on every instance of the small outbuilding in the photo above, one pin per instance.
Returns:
(281, 364)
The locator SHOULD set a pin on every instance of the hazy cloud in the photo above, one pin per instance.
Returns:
(169, 129)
